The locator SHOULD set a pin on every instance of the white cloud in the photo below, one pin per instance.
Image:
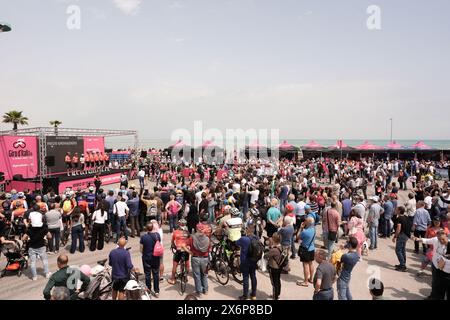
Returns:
(129, 7)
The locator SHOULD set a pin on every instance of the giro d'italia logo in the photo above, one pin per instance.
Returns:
(20, 143)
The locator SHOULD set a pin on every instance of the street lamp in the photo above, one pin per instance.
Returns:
(391, 128)
(4, 27)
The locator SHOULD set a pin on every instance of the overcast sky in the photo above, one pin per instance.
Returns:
(310, 68)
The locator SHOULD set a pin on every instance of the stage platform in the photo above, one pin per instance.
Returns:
(61, 182)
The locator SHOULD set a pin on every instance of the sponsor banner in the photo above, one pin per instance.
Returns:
(58, 146)
(94, 144)
(18, 155)
(85, 183)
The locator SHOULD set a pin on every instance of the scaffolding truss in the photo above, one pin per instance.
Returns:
(43, 132)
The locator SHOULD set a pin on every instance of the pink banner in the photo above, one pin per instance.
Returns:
(94, 144)
(84, 183)
(18, 155)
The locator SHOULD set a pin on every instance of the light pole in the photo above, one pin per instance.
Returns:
(4, 27)
(391, 128)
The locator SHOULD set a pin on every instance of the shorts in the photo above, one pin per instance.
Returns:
(119, 284)
(68, 165)
(307, 256)
(179, 254)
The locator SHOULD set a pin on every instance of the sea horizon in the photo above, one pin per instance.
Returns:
(162, 143)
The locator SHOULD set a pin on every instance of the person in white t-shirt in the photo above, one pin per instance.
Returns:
(98, 229)
(121, 212)
(141, 177)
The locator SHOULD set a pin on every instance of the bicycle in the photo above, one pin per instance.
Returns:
(182, 273)
(224, 261)
(65, 235)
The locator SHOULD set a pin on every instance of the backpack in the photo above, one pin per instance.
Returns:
(284, 259)
(255, 250)
(158, 249)
(152, 210)
(67, 206)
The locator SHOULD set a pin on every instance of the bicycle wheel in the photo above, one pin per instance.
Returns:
(221, 270)
(235, 268)
(183, 278)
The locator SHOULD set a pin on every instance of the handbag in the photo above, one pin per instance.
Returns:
(332, 235)
(302, 251)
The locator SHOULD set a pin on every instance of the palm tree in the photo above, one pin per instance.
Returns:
(16, 118)
(56, 123)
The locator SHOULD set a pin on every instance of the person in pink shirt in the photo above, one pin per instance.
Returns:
(331, 222)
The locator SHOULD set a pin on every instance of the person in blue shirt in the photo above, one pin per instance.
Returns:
(273, 215)
(133, 205)
(149, 261)
(348, 262)
(306, 251)
(385, 221)
(121, 265)
(248, 267)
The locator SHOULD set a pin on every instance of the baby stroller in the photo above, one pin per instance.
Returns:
(17, 258)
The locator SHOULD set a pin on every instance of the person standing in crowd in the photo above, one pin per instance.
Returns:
(248, 266)
(97, 183)
(388, 213)
(411, 206)
(133, 206)
(199, 246)
(274, 258)
(402, 234)
(331, 223)
(141, 177)
(421, 222)
(150, 262)
(99, 218)
(36, 245)
(121, 211)
(440, 265)
(375, 212)
(53, 218)
(172, 208)
(273, 216)
(348, 262)
(121, 266)
(324, 277)
(306, 250)
(77, 227)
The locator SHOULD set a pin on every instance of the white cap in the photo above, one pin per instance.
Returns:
(375, 199)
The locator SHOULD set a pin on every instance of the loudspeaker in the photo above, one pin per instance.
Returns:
(143, 154)
(50, 161)
(18, 177)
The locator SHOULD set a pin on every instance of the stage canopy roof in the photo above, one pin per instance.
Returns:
(368, 146)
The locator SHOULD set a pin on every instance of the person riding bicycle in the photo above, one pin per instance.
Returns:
(180, 238)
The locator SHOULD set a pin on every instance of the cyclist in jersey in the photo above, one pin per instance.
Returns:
(180, 238)
(75, 162)
(68, 161)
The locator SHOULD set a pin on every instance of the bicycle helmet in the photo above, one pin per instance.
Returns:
(132, 285)
(235, 212)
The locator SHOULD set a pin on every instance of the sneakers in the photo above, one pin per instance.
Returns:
(243, 298)
(401, 269)
(293, 257)
(253, 298)
(205, 292)
(420, 273)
